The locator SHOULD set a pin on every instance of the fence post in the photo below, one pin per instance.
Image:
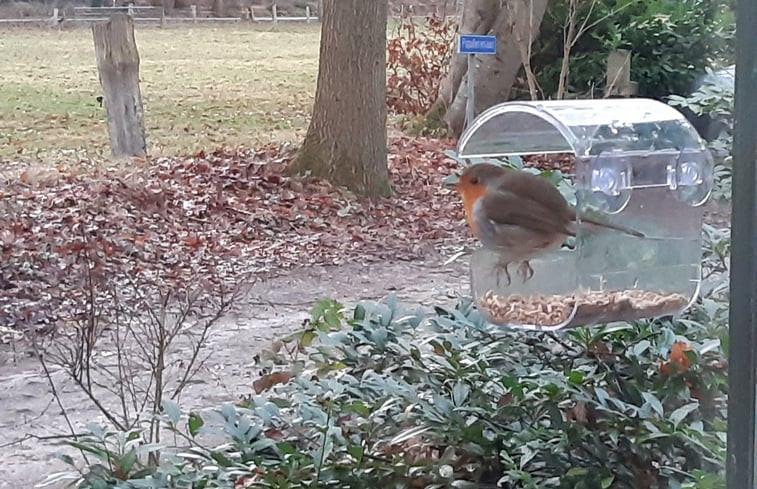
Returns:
(218, 8)
(274, 14)
(252, 14)
(118, 68)
(619, 74)
(307, 13)
(193, 8)
(162, 17)
(54, 18)
(131, 10)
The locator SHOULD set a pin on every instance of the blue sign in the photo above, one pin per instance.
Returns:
(474, 44)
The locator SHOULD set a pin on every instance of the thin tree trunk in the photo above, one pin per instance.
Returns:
(495, 74)
(572, 32)
(168, 6)
(569, 35)
(346, 139)
(118, 67)
(218, 8)
(522, 18)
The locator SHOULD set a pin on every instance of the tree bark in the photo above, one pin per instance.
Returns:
(346, 139)
(510, 21)
(218, 8)
(118, 67)
(168, 6)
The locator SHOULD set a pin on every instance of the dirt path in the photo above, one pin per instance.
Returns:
(272, 309)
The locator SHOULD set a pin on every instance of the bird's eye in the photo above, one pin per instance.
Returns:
(474, 181)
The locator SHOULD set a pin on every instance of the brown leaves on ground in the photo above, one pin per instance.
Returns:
(210, 220)
(564, 162)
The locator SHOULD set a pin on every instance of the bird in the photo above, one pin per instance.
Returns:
(518, 215)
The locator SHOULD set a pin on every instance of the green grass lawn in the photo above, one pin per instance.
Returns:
(202, 87)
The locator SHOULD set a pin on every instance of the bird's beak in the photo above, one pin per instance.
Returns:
(450, 184)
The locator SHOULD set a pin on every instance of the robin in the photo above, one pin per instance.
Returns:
(518, 214)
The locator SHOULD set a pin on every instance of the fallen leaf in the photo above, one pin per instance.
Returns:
(267, 381)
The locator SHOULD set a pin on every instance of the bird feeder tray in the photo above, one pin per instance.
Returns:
(639, 164)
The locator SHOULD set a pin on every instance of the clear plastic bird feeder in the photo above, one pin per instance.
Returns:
(639, 164)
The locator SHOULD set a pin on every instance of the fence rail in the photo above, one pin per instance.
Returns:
(196, 14)
(158, 14)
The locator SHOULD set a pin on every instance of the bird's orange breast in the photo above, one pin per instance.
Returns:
(470, 195)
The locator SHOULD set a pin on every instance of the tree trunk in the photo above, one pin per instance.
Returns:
(218, 8)
(168, 6)
(509, 20)
(118, 67)
(346, 139)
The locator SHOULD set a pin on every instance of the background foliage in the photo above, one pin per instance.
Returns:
(417, 59)
(712, 108)
(672, 43)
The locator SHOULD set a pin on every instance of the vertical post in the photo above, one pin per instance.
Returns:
(54, 18)
(162, 17)
(470, 107)
(274, 13)
(307, 14)
(619, 74)
(219, 9)
(118, 68)
(252, 14)
(131, 10)
(742, 354)
(193, 8)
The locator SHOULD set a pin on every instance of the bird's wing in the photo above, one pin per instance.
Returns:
(535, 188)
(527, 210)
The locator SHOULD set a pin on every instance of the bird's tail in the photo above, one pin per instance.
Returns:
(616, 227)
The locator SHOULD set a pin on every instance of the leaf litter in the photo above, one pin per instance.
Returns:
(209, 220)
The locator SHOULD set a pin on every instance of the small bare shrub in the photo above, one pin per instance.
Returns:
(417, 60)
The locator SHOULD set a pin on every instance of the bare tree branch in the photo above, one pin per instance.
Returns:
(572, 33)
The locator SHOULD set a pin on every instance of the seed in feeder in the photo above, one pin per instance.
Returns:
(593, 307)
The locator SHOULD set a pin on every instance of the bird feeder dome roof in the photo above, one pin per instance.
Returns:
(581, 127)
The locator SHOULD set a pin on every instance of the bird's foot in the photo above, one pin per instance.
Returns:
(525, 271)
(500, 267)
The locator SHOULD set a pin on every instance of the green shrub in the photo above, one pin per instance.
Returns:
(672, 42)
(393, 397)
(713, 102)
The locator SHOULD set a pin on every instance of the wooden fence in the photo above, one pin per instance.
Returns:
(142, 14)
(195, 14)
